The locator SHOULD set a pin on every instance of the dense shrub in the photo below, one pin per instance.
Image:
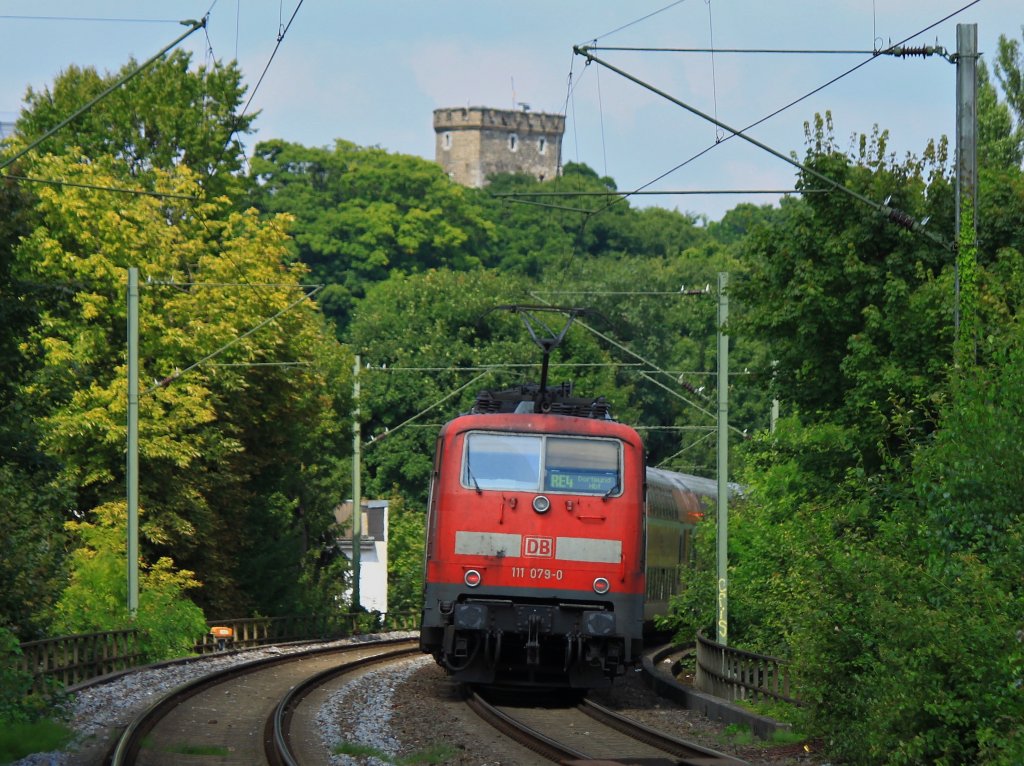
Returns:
(168, 622)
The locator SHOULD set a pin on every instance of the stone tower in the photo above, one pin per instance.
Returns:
(474, 142)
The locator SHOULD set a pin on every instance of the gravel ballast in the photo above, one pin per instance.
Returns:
(399, 710)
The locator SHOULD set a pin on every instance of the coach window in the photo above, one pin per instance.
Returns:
(585, 466)
(502, 461)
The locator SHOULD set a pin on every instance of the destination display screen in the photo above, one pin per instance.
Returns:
(579, 480)
(548, 463)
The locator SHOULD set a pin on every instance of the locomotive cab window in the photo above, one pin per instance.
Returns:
(576, 465)
(501, 461)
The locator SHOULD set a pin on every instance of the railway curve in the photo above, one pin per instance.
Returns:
(240, 713)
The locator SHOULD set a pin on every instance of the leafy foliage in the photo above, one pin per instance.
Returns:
(878, 542)
(217, 450)
(363, 213)
(15, 684)
(32, 561)
(168, 622)
(855, 310)
(406, 528)
(169, 115)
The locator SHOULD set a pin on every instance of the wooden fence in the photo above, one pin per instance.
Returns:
(72, 660)
(734, 674)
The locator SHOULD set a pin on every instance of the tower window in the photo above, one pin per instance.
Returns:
(542, 145)
(448, 140)
(513, 142)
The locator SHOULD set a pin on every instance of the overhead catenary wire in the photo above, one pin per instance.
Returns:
(635, 355)
(678, 395)
(741, 133)
(97, 187)
(518, 196)
(282, 31)
(714, 79)
(421, 413)
(628, 366)
(643, 18)
(287, 285)
(500, 366)
(894, 50)
(194, 25)
(178, 373)
(15, 17)
(688, 447)
(759, 144)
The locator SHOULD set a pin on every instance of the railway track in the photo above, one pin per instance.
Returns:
(590, 734)
(245, 714)
(265, 712)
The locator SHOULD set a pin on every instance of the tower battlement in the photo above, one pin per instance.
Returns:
(474, 142)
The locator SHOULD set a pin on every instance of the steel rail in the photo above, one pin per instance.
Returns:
(126, 749)
(688, 751)
(276, 731)
(517, 731)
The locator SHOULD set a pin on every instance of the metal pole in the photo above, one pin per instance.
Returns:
(132, 468)
(722, 623)
(357, 490)
(966, 141)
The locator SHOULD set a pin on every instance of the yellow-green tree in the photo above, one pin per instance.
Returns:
(238, 454)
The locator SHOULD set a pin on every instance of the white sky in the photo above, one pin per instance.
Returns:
(372, 72)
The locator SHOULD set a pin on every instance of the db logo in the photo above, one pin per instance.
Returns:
(539, 547)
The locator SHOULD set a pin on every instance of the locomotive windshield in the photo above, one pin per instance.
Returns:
(542, 463)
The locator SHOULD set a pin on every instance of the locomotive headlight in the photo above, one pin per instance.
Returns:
(601, 585)
(472, 578)
(541, 504)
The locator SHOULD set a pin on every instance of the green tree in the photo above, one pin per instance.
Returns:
(434, 340)
(168, 115)
(878, 541)
(743, 220)
(32, 549)
(168, 622)
(363, 213)
(562, 235)
(1009, 71)
(999, 143)
(406, 526)
(855, 310)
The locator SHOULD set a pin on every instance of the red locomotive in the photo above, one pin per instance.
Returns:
(548, 545)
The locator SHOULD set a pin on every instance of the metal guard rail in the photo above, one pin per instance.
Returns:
(735, 674)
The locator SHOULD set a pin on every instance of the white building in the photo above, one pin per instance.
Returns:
(373, 551)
